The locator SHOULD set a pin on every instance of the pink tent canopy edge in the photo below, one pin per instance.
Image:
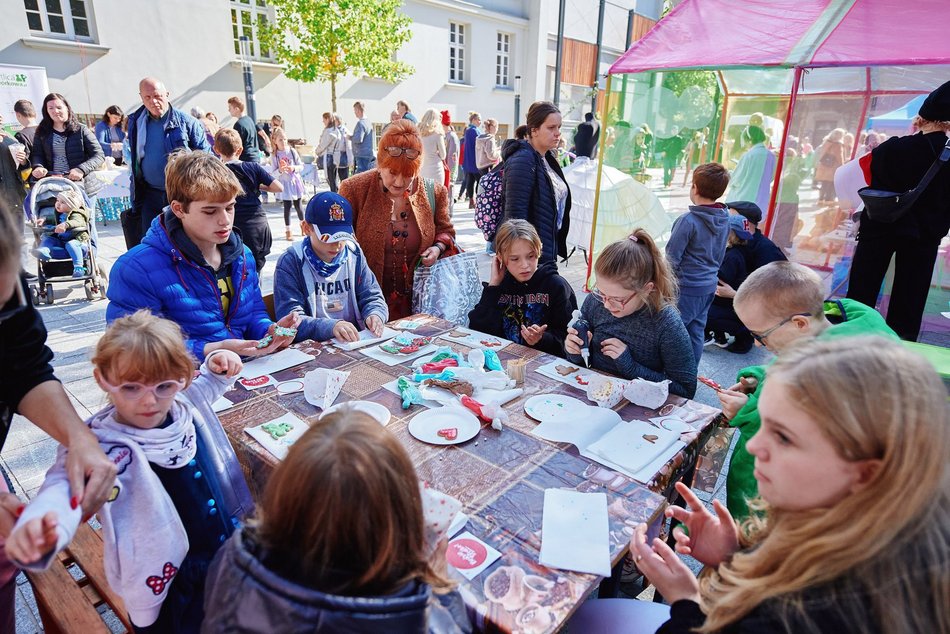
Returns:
(715, 34)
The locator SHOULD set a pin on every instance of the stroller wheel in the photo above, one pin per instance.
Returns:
(49, 294)
(88, 288)
(35, 294)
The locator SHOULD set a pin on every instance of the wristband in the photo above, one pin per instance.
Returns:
(441, 247)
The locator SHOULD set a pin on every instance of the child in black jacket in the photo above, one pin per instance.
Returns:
(524, 302)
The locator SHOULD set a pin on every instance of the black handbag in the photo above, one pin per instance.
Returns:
(888, 207)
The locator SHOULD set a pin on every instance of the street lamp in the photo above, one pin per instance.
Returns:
(248, 71)
(517, 101)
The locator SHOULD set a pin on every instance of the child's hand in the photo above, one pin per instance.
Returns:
(497, 271)
(732, 400)
(290, 320)
(39, 222)
(225, 362)
(345, 331)
(724, 290)
(34, 539)
(532, 334)
(573, 343)
(613, 348)
(60, 228)
(375, 325)
(712, 538)
(665, 570)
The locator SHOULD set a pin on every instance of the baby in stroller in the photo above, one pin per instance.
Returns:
(64, 226)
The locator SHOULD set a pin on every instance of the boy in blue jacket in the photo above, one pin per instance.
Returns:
(325, 278)
(193, 269)
(696, 248)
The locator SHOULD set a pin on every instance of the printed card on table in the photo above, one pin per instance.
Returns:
(470, 555)
(257, 382)
(279, 435)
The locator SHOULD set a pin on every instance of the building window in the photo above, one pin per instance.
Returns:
(502, 58)
(247, 18)
(458, 38)
(59, 18)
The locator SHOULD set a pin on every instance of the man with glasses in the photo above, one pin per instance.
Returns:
(28, 387)
(781, 304)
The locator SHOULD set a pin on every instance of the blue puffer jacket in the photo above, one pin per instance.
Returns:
(529, 195)
(167, 274)
(244, 595)
(182, 131)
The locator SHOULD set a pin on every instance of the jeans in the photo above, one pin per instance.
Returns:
(364, 164)
(334, 171)
(149, 202)
(693, 311)
(50, 248)
(256, 235)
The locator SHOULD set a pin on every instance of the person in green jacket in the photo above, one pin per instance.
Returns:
(782, 304)
(67, 227)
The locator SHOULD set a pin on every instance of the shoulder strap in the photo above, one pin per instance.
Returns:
(429, 185)
(913, 194)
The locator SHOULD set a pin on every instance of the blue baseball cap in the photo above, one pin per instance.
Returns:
(740, 226)
(331, 216)
(748, 209)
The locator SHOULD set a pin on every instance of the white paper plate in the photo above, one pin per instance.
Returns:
(426, 425)
(550, 406)
(379, 412)
(290, 387)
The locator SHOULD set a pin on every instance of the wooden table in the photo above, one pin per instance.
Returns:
(500, 477)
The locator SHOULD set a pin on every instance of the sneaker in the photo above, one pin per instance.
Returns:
(716, 339)
(741, 345)
(41, 253)
(79, 271)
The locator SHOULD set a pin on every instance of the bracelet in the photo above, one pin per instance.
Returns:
(440, 247)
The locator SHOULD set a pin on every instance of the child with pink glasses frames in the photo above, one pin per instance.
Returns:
(179, 492)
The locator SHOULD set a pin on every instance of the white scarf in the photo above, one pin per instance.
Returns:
(170, 447)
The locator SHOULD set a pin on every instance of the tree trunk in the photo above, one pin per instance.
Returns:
(333, 91)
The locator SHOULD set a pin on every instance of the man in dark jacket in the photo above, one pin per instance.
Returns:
(155, 131)
(586, 136)
(529, 194)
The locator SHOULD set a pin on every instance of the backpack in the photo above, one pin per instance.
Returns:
(490, 202)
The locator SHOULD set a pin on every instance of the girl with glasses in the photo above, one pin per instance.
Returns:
(179, 491)
(635, 328)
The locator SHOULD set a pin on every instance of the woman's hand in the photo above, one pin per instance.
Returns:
(665, 570)
(10, 509)
(430, 255)
(573, 343)
(374, 323)
(225, 362)
(345, 331)
(39, 172)
(613, 348)
(33, 540)
(732, 400)
(91, 474)
(497, 271)
(712, 538)
(20, 157)
(75, 174)
(532, 334)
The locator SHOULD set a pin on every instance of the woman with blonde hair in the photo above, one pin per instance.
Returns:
(433, 146)
(830, 157)
(853, 531)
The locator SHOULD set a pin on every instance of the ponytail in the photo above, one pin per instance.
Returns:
(636, 261)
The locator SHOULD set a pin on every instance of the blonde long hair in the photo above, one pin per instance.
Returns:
(880, 556)
(431, 122)
(636, 261)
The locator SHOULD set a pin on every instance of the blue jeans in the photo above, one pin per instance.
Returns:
(54, 246)
(693, 311)
(364, 164)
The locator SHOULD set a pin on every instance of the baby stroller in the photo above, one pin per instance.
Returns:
(58, 269)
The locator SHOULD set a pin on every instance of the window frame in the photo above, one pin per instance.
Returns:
(258, 10)
(66, 15)
(503, 58)
(459, 34)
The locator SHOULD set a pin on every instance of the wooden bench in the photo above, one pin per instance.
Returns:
(68, 603)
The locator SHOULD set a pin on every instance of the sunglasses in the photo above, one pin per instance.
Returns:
(16, 306)
(396, 151)
(763, 336)
(135, 391)
(617, 302)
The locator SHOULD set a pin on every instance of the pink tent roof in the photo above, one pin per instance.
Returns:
(717, 34)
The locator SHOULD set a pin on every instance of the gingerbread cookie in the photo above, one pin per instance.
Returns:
(564, 370)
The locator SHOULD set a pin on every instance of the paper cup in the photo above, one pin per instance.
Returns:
(516, 370)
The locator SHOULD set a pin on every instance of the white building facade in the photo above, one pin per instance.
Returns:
(467, 56)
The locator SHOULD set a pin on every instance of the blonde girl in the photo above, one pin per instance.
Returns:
(179, 491)
(286, 166)
(854, 526)
(635, 329)
(433, 146)
(316, 556)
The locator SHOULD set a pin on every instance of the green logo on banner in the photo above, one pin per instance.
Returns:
(14, 80)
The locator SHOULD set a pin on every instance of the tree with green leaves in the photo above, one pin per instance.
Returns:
(324, 40)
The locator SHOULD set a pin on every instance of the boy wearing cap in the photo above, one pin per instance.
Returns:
(722, 316)
(759, 250)
(325, 278)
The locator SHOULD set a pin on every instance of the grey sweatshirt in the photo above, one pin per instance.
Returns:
(697, 246)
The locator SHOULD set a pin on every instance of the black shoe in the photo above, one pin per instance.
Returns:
(714, 338)
(742, 344)
(28, 275)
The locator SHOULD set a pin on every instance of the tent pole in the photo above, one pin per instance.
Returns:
(600, 46)
(600, 170)
(776, 182)
(623, 82)
(722, 121)
(864, 110)
(560, 54)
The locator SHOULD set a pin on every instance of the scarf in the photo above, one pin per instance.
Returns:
(324, 269)
(170, 447)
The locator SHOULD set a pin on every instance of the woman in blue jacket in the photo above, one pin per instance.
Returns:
(109, 133)
(535, 187)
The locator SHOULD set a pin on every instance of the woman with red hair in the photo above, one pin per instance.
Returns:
(395, 223)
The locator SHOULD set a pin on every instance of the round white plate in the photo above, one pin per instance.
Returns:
(290, 387)
(426, 425)
(378, 412)
(550, 406)
(675, 424)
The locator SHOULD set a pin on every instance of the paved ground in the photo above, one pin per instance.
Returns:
(75, 325)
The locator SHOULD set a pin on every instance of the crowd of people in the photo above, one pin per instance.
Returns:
(799, 545)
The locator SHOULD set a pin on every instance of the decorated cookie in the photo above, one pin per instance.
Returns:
(264, 342)
(277, 430)
(280, 331)
(449, 433)
(564, 370)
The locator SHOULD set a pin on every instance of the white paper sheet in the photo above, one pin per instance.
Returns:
(581, 429)
(221, 404)
(286, 358)
(395, 359)
(577, 379)
(366, 338)
(574, 532)
(633, 445)
(475, 339)
(279, 435)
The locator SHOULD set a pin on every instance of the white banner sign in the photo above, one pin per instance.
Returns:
(20, 82)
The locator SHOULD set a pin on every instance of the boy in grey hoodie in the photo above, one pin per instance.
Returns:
(696, 248)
